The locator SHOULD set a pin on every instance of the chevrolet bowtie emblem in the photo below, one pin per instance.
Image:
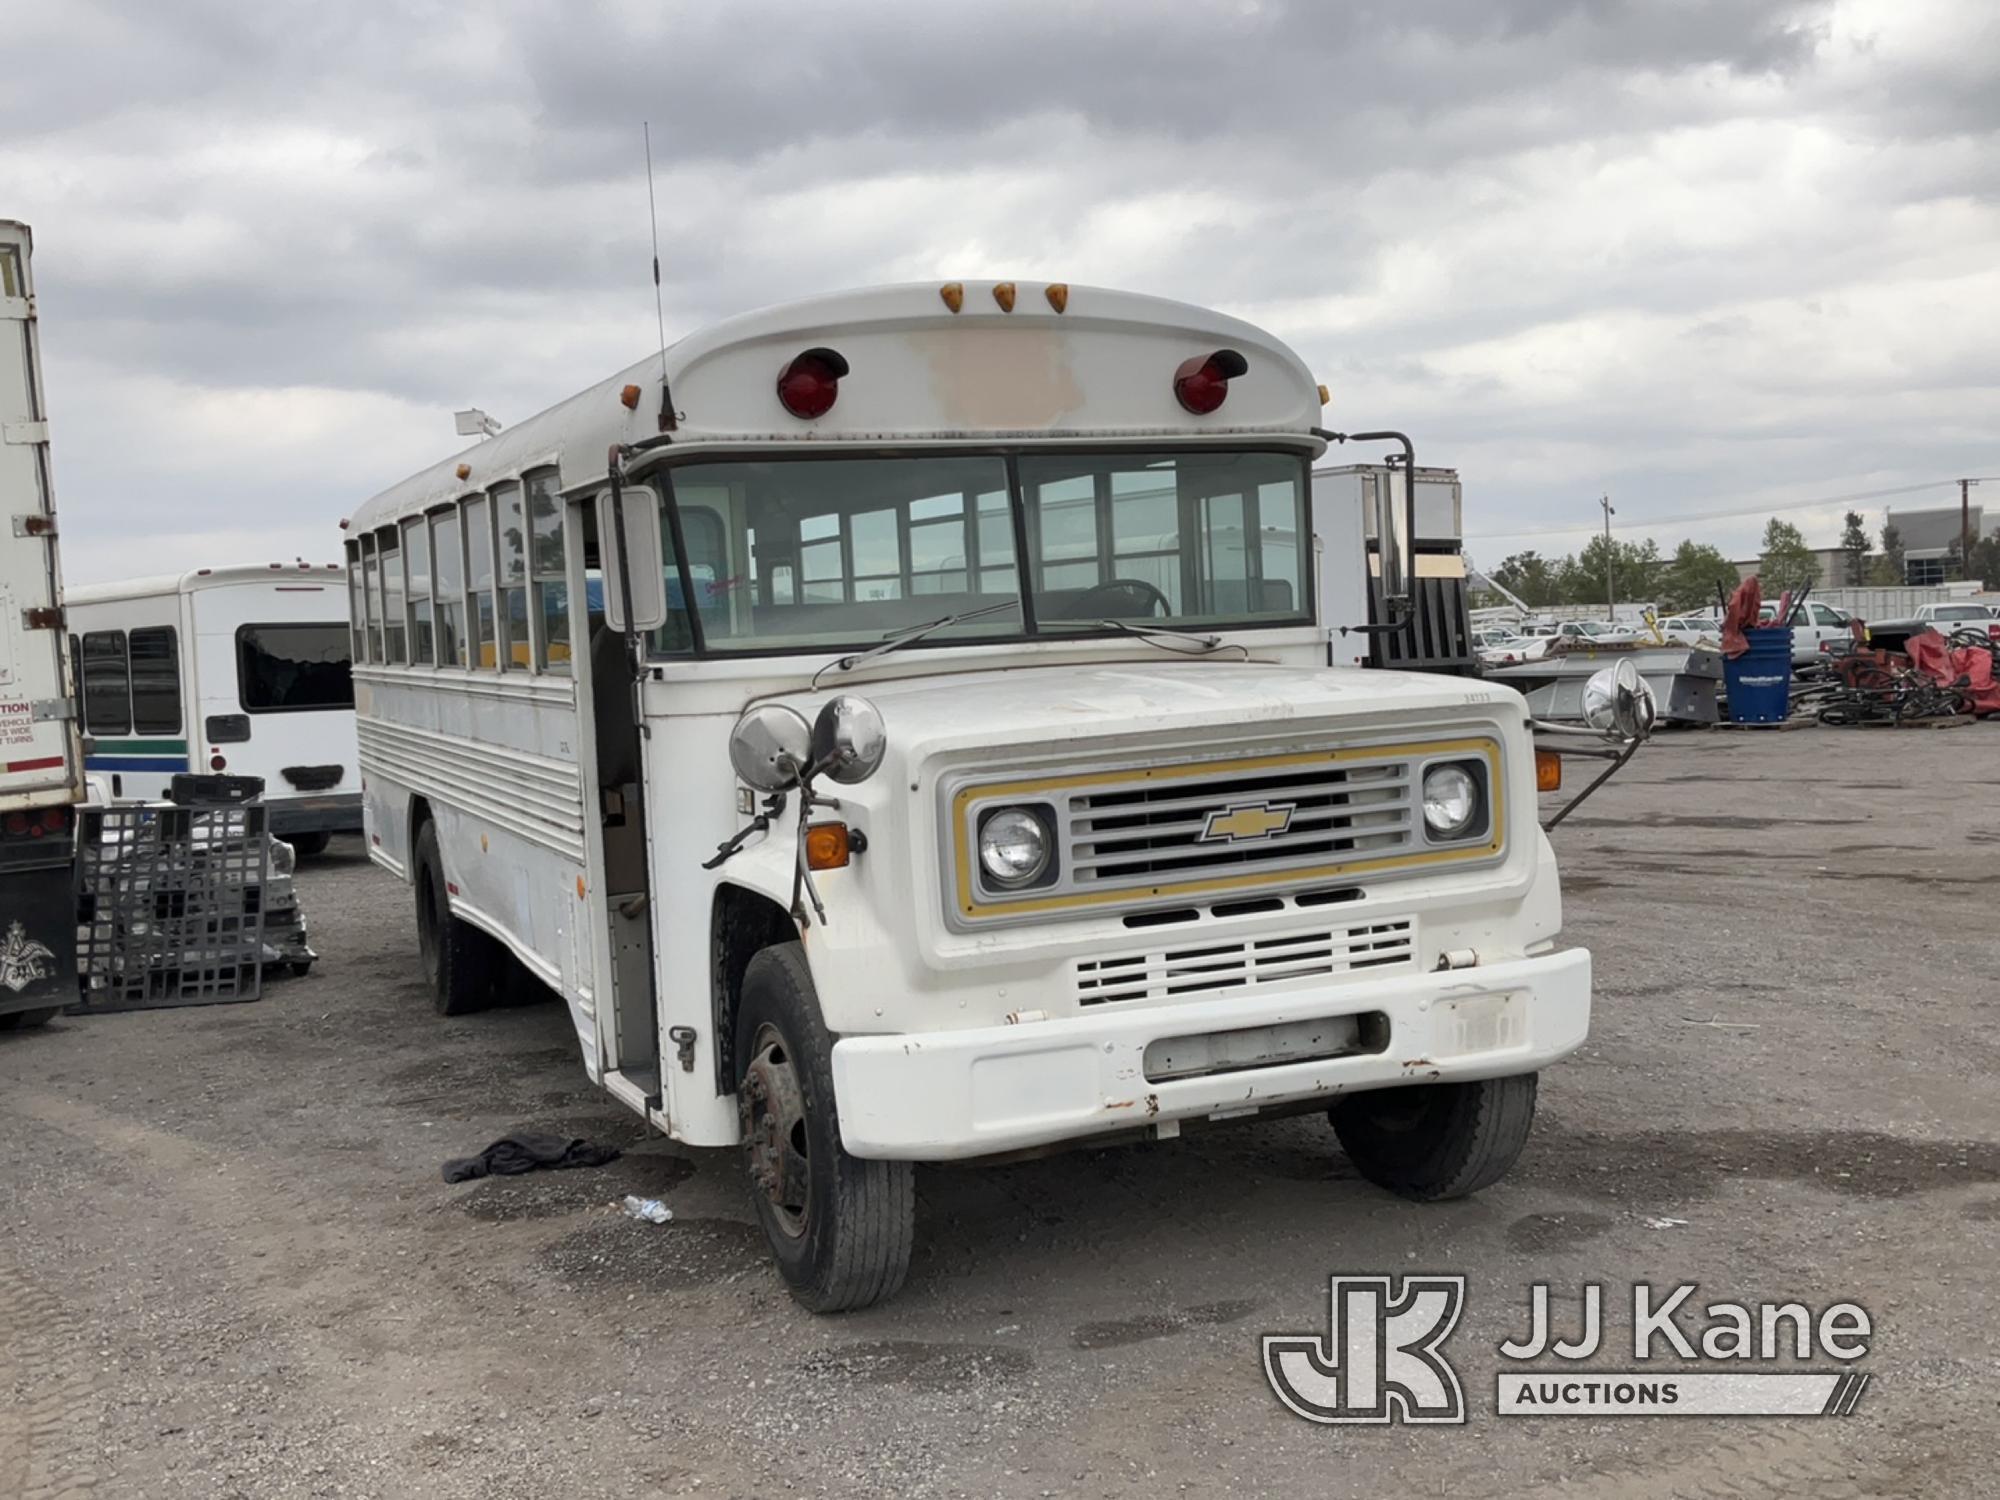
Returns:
(1247, 821)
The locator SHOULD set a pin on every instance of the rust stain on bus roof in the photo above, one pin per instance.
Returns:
(1006, 376)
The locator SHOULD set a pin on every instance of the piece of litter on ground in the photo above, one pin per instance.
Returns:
(652, 1210)
(1660, 1223)
(1719, 1022)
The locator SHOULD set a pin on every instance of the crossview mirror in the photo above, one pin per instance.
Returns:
(771, 746)
(647, 577)
(1617, 700)
(848, 739)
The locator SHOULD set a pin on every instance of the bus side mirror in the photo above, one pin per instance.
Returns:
(1392, 538)
(647, 576)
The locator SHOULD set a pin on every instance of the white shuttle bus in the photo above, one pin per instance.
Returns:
(901, 726)
(243, 670)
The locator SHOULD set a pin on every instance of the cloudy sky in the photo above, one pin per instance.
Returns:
(1704, 255)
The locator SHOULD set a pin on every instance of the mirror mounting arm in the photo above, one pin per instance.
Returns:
(1605, 775)
(774, 805)
(802, 881)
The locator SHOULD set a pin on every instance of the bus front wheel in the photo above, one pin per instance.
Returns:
(839, 1227)
(1432, 1141)
(460, 961)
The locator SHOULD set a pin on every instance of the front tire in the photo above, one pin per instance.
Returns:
(1435, 1141)
(460, 962)
(839, 1227)
(306, 845)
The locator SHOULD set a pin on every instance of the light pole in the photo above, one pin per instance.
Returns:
(1610, 604)
(1965, 522)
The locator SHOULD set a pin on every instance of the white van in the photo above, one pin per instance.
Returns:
(241, 670)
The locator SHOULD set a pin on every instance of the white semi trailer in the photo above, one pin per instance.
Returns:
(41, 760)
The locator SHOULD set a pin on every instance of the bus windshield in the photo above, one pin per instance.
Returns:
(806, 553)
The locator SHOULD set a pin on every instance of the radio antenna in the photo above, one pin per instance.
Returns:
(667, 421)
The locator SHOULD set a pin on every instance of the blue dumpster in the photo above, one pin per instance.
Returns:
(1759, 682)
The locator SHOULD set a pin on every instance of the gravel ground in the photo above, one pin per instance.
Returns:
(228, 1266)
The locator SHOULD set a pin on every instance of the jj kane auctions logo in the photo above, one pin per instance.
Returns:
(1382, 1358)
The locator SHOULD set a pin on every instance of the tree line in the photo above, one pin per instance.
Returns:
(1690, 577)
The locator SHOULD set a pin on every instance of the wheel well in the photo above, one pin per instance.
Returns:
(420, 814)
(743, 924)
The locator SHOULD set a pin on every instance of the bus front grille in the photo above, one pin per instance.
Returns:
(1238, 823)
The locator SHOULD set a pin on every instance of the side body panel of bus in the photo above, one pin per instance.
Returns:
(494, 759)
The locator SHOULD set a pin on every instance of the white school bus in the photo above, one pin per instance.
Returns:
(241, 670)
(900, 726)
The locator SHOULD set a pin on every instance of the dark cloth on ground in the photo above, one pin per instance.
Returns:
(526, 1151)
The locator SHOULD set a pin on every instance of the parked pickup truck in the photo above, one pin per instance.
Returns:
(1816, 629)
(1947, 618)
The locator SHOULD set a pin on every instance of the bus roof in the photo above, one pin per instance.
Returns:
(228, 575)
(1071, 362)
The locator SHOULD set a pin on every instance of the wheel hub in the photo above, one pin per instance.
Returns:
(772, 1112)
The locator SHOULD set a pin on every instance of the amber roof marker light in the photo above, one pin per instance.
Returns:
(1003, 293)
(1058, 294)
(953, 293)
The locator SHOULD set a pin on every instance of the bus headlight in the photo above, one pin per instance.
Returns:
(1013, 847)
(1452, 803)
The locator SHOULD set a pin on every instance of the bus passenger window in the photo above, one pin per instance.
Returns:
(417, 561)
(448, 586)
(479, 581)
(388, 546)
(676, 636)
(995, 538)
(512, 529)
(1064, 515)
(549, 575)
(156, 681)
(371, 577)
(357, 608)
(107, 693)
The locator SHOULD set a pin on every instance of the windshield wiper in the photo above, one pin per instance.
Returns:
(910, 636)
(1161, 636)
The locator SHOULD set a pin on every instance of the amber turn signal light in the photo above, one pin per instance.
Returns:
(827, 846)
(1548, 771)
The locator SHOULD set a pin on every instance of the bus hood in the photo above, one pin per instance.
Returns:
(1048, 705)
